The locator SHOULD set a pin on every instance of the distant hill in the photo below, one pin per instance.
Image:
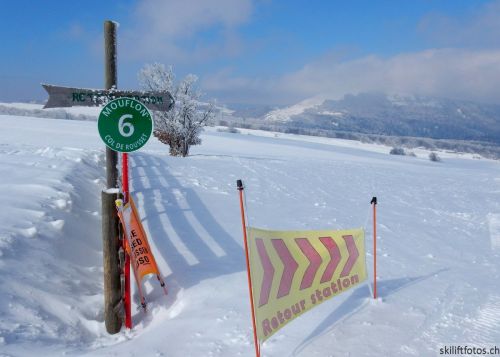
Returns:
(395, 115)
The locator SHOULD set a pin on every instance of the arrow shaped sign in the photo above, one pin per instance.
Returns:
(267, 281)
(290, 267)
(63, 97)
(334, 252)
(314, 262)
(353, 255)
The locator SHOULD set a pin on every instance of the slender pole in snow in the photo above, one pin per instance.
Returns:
(240, 187)
(374, 204)
(127, 298)
(125, 177)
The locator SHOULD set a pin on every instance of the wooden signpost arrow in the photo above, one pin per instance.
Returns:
(63, 97)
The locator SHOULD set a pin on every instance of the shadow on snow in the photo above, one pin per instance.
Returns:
(166, 204)
(358, 299)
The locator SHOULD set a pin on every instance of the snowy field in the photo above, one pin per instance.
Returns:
(438, 244)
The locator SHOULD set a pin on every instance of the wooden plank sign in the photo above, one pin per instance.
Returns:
(62, 97)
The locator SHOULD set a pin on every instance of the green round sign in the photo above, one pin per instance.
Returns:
(125, 124)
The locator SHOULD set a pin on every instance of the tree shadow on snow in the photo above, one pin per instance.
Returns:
(167, 205)
(358, 299)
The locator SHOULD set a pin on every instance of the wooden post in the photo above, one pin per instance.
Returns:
(110, 81)
(110, 224)
(110, 246)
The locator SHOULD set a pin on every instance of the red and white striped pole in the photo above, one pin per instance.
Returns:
(126, 299)
(374, 204)
(240, 187)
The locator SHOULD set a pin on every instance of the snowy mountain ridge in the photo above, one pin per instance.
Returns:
(395, 115)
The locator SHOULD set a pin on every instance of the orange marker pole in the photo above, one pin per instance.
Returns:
(374, 204)
(239, 184)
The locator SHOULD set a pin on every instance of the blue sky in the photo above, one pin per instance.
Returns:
(259, 52)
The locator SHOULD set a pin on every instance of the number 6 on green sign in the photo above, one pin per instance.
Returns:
(122, 125)
(125, 124)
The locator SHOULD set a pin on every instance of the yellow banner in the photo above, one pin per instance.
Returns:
(293, 271)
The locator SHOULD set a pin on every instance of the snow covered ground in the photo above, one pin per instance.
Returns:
(438, 247)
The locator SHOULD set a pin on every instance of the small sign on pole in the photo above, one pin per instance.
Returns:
(125, 124)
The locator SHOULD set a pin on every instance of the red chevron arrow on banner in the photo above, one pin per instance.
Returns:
(334, 251)
(353, 255)
(290, 267)
(267, 280)
(314, 262)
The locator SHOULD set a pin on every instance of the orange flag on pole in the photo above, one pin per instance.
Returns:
(143, 261)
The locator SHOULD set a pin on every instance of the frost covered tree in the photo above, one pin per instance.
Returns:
(181, 126)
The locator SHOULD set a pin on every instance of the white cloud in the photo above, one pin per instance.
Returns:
(463, 62)
(165, 29)
(452, 73)
(175, 31)
(179, 18)
(476, 28)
